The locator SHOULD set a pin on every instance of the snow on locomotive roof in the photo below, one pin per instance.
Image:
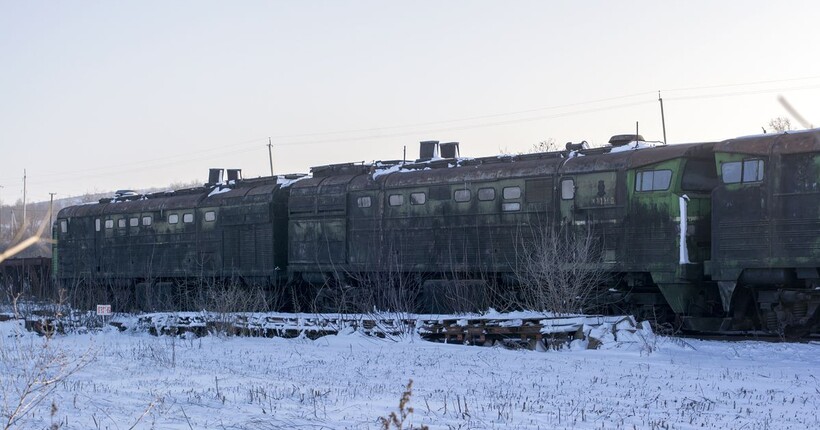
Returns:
(634, 146)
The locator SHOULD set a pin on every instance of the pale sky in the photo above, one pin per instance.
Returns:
(103, 95)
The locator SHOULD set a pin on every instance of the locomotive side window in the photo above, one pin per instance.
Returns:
(486, 194)
(210, 216)
(188, 218)
(109, 223)
(462, 196)
(121, 223)
(364, 202)
(133, 222)
(511, 193)
(173, 219)
(567, 189)
(745, 171)
(396, 199)
(418, 198)
(147, 220)
(509, 207)
(64, 226)
(653, 180)
(97, 224)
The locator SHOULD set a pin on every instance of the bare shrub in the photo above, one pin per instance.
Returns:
(559, 271)
(31, 370)
(226, 298)
(397, 421)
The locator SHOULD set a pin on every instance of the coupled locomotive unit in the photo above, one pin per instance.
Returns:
(721, 236)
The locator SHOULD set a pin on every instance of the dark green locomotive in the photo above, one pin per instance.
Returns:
(766, 224)
(723, 236)
(448, 221)
(151, 251)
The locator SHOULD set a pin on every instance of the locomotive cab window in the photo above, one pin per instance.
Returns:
(109, 223)
(462, 196)
(97, 224)
(364, 202)
(396, 199)
(745, 171)
(653, 180)
(567, 189)
(188, 218)
(133, 222)
(147, 220)
(173, 219)
(752, 170)
(418, 198)
(210, 216)
(63, 226)
(121, 223)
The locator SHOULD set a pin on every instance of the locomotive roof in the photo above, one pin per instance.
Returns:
(630, 159)
(442, 171)
(171, 200)
(789, 142)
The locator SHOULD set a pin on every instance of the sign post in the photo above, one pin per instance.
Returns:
(104, 311)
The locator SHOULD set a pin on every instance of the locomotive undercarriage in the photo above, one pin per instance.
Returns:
(174, 294)
(457, 293)
(784, 302)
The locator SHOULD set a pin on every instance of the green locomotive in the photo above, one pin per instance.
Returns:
(718, 236)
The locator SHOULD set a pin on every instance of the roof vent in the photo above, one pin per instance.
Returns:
(623, 139)
(215, 176)
(234, 174)
(449, 150)
(577, 146)
(428, 150)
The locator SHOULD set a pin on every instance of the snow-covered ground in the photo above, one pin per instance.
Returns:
(350, 380)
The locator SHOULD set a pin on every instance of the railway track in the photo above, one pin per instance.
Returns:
(520, 330)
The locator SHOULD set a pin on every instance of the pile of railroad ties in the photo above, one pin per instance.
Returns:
(518, 330)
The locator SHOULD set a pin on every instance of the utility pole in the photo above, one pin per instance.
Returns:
(270, 155)
(663, 120)
(24, 199)
(1, 219)
(51, 210)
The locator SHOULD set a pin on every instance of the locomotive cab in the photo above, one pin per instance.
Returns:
(765, 252)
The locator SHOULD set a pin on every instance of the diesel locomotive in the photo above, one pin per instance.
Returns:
(719, 236)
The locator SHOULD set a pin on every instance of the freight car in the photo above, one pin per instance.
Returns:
(723, 236)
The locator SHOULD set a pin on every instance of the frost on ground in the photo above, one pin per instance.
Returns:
(348, 381)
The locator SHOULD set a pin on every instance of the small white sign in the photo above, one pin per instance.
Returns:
(103, 310)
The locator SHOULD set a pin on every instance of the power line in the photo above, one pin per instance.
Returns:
(742, 84)
(744, 93)
(288, 140)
